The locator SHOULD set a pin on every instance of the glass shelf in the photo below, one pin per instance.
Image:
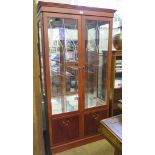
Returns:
(63, 104)
(93, 101)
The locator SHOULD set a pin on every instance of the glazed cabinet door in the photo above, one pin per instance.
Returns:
(63, 55)
(96, 48)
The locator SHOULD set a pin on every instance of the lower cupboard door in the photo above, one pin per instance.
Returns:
(65, 129)
(92, 120)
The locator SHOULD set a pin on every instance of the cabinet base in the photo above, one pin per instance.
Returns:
(60, 148)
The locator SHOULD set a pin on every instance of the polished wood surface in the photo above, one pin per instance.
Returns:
(73, 9)
(92, 120)
(74, 128)
(58, 5)
(65, 129)
(111, 129)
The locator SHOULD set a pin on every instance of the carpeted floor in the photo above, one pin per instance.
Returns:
(101, 147)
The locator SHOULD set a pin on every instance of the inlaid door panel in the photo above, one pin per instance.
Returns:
(92, 120)
(65, 129)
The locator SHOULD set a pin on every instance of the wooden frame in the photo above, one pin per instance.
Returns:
(80, 13)
(73, 9)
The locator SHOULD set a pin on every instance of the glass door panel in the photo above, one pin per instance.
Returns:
(96, 48)
(63, 58)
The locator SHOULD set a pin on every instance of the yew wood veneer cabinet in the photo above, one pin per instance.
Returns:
(75, 60)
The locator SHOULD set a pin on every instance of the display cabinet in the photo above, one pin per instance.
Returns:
(116, 84)
(75, 61)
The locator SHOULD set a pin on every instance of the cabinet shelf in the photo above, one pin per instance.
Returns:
(66, 94)
(116, 83)
(118, 89)
(120, 72)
